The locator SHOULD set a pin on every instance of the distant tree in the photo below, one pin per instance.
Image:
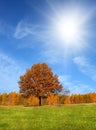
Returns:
(39, 81)
(66, 92)
(32, 101)
(52, 99)
(67, 100)
(12, 97)
(4, 97)
(0, 99)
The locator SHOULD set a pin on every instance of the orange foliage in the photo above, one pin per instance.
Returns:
(83, 98)
(3, 99)
(39, 81)
(33, 101)
(14, 98)
(67, 100)
(52, 99)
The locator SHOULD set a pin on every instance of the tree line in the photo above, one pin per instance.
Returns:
(14, 98)
(39, 86)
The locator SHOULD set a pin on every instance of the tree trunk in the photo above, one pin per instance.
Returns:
(39, 100)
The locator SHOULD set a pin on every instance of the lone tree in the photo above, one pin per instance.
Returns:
(39, 81)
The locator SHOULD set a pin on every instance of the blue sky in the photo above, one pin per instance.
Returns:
(29, 34)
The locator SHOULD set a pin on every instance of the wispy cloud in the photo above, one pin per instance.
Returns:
(85, 66)
(42, 35)
(10, 71)
(74, 86)
(51, 36)
(24, 29)
(46, 36)
(37, 34)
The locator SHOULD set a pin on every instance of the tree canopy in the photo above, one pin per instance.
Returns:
(39, 81)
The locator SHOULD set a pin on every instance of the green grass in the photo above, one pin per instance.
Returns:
(67, 117)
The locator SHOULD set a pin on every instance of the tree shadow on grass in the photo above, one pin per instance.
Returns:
(3, 126)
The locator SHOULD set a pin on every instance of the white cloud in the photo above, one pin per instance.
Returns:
(40, 35)
(10, 72)
(74, 86)
(45, 36)
(85, 67)
(24, 29)
(53, 50)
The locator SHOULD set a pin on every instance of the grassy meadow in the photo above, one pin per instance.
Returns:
(66, 117)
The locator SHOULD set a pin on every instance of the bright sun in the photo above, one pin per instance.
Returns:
(67, 30)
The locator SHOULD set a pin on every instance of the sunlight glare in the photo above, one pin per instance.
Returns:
(67, 30)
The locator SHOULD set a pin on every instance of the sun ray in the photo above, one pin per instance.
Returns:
(68, 29)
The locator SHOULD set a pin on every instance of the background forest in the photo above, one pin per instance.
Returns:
(14, 98)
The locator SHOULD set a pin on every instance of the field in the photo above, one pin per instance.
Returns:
(67, 117)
